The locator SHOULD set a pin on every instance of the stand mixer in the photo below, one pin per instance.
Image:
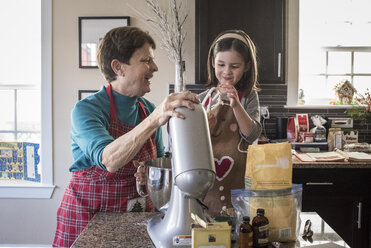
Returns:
(193, 174)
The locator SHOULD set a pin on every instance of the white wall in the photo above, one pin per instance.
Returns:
(33, 221)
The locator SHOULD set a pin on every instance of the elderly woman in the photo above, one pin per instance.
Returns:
(113, 128)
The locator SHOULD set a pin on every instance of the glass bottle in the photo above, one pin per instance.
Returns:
(260, 226)
(245, 238)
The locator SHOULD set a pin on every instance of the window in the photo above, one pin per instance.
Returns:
(25, 88)
(334, 38)
(350, 63)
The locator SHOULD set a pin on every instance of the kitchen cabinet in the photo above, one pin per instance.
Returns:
(262, 20)
(341, 196)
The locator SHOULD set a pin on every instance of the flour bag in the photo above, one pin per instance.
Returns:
(269, 167)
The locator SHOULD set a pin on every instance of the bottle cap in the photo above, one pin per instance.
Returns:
(260, 211)
(246, 218)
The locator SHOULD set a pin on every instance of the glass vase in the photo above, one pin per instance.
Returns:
(179, 76)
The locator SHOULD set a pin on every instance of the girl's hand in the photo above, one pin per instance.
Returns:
(230, 90)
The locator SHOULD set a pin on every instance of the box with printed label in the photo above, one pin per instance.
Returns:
(216, 234)
(350, 136)
(19, 161)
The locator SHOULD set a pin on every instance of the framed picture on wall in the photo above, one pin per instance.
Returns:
(85, 93)
(91, 31)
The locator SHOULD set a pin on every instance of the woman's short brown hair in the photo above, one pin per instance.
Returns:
(120, 43)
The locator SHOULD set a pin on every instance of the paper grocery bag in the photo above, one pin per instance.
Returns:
(269, 167)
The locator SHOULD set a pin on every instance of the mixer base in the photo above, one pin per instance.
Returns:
(164, 239)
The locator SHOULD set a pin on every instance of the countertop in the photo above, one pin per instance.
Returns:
(296, 163)
(130, 230)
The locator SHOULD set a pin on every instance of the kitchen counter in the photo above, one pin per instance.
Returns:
(321, 181)
(116, 230)
(296, 163)
(130, 230)
(340, 192)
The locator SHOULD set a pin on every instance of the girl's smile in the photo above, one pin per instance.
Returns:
(229, 67)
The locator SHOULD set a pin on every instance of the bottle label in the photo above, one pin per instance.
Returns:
(261, 235)
(263, 241)
(263, 228)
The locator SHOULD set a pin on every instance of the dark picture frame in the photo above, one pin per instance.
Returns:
(85, 93)
(91, 31)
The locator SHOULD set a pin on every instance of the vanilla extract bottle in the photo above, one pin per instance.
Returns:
(245, 238)
(260, 226)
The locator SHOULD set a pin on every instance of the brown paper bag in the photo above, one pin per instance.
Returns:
(269, 167)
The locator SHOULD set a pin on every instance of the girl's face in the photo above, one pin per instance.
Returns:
(229, 67)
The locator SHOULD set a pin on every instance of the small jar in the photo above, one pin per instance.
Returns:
(245, 238)
(308, 137)
(320, 134)
(260, 226)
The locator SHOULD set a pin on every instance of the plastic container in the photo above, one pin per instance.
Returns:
(282, 208)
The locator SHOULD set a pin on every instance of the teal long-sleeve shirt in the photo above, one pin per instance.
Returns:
(90, 121)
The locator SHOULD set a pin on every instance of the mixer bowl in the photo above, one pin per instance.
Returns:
(159, 181)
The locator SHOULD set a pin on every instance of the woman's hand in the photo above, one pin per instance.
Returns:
(167, 108)
(230, 90)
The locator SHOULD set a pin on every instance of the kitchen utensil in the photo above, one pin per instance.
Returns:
(193, 174)
(158, 183)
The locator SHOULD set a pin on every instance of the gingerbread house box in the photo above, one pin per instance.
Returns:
(19, 161)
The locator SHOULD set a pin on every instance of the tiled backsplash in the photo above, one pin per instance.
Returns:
(275, 96)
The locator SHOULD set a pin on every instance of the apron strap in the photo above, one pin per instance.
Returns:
(113, 110)
(142, 110)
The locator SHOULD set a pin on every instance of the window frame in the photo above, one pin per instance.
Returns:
(44, 189)
(351, 50)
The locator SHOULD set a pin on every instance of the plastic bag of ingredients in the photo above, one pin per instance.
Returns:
(282, 208)
(319, 130)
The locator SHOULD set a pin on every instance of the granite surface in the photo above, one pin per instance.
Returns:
(129, 230)
(109, 230)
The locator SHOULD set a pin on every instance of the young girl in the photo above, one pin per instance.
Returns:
(235, 123)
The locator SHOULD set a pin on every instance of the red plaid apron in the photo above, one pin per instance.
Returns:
(95, 190)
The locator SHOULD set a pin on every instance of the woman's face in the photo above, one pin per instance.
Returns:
(229, 67)
(137, 75)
